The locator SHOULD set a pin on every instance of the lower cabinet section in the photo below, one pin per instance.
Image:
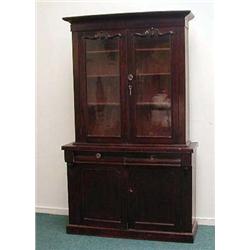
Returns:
(102, 197)
(96, 195)
(154, 198)
(149, 198)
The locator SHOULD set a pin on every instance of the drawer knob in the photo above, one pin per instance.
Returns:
(98, 155)
(152, 157)
(131, 190)
(130, 77)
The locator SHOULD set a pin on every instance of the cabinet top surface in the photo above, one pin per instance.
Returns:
(187, 14)
(130, 147)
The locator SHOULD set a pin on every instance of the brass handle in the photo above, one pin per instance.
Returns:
(130, 77)
(98, 155)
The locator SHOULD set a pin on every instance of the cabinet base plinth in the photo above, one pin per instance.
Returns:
(134, 234)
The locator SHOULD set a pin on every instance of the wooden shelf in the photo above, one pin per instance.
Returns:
(152, 74)
(103, 75)
(102, 51)
(140, 74)
(157, 105)
(153, 49)
(103, 104)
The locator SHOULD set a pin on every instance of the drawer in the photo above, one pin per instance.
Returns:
(171, 160)
(98, 157)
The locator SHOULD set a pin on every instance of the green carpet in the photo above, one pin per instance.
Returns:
(51, 235)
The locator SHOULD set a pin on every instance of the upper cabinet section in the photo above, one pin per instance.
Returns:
(130, 77)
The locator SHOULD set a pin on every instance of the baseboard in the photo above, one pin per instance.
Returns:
(65, 211)
(205, 221)
(52, 210)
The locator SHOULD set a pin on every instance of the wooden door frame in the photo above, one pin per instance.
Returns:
(83, 117)
(174, 89)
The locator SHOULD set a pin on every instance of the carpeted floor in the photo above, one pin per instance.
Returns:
(51, 235)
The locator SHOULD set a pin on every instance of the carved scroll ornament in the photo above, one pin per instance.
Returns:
(103, 35)
(153, 32)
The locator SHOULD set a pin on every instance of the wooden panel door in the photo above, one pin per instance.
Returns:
(154, 198)
(151, 84)
(102, 197)
(102, 66)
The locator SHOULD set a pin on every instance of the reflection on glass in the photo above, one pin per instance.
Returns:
(152, 62)
(152, 42)
(102, 44)
(103, 87)
(104, 120)
(102, 64)
(153, 99)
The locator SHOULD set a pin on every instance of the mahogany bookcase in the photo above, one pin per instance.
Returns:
(131, 168)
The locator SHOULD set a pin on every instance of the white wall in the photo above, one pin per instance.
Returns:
(55, 117)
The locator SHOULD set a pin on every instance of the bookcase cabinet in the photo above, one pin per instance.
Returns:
(131, 168)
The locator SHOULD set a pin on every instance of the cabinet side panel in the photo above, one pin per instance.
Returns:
(179, 77)
(79, 125)
(194, 184)
(186, 186)
(74, 193)
(187, 86)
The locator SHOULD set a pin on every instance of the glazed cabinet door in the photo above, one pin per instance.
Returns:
(151, 85)
(102, 63)
(96, 196)
(154, 198)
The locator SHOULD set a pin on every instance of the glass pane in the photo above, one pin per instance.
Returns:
(152, 62)
(102, 44)
(153, 42)
(102, 63)
(103, 87)
(153, 84)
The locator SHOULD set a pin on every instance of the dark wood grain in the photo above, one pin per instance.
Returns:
(132, 185)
